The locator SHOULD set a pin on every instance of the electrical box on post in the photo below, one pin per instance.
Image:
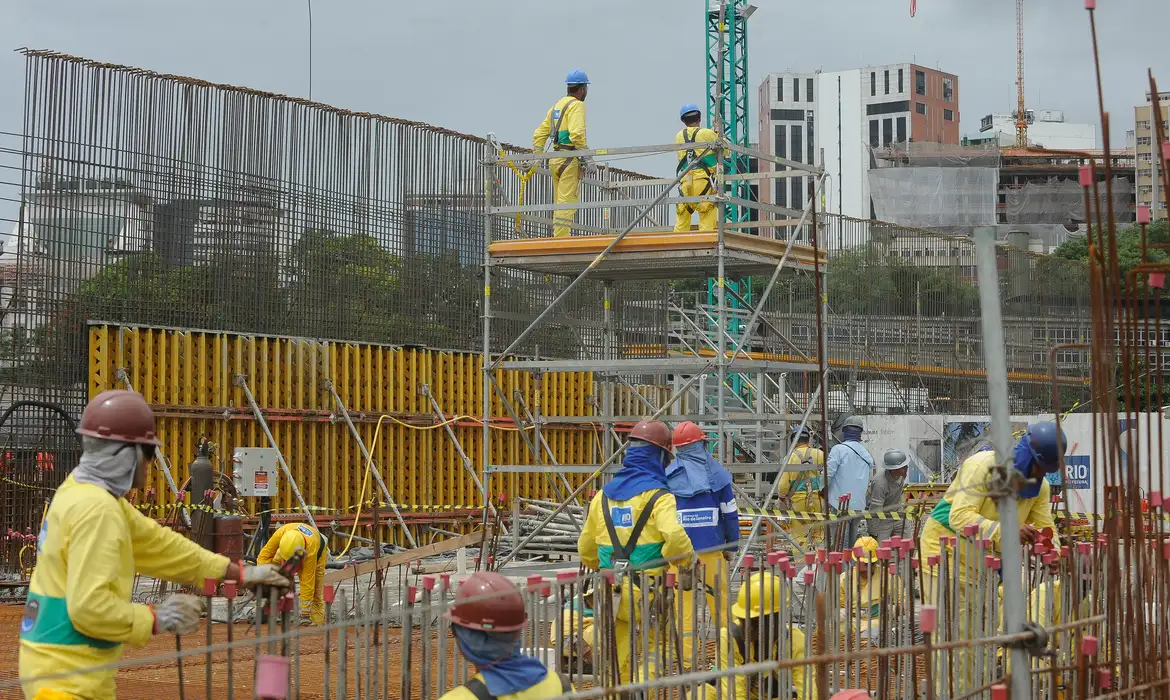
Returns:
(254, 471)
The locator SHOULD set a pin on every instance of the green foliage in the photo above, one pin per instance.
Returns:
(1128, 244)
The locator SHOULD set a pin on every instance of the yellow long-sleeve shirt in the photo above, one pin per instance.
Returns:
(738, 687)
(79, 612)
(552, 686)
(312, 572)
(569, 112)
(968, 502)
(662, 538)
(804, 488)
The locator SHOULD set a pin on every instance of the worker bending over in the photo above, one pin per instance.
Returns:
(886, 495)
(708, 513)
(91, 545)
(487, 618)
(802, 489)
(280, 548)
(866, 589)
(850, 466)
(575, 639)
(968, 501)
(757, 632)
(563, 129)
(632, 528)
(697, 181)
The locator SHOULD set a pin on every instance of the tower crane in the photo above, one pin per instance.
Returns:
(1021, 114)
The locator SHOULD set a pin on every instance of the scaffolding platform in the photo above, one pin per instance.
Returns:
(652, 255)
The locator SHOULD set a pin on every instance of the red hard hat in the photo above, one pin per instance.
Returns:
(654, 432)
(121, 416)
(490, 602)
(687, 433)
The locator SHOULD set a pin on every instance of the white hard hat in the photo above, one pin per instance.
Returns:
(895, 459)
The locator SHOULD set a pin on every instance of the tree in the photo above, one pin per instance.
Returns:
(1128, 243)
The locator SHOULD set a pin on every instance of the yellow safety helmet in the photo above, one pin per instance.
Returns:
(869, 547)
(290, 542)
(767, 592)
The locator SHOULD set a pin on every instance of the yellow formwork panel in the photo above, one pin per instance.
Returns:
(189, 377)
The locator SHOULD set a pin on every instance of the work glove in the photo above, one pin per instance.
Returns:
(178, 614)
(686, 578)
(263, 575)
(729, 555)
(589, 166)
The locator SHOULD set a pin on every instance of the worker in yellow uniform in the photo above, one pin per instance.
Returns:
(865, 584)
(280, 548)
(92, 543)
(801, 490)
(563, 129)
(697, 182)
(576, 635)
(757, 633)
(632, 528)
(968, 501)
(487, 619)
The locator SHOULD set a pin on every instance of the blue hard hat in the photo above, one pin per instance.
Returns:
(577, 77)
(1047, 444)
(688, 109)
(801, 431)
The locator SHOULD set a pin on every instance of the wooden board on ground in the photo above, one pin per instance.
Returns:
(430, 550)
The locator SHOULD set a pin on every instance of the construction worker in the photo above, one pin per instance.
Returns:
(968, 501)
(886, 494)
(92, 543)
(487, 619)
(708, 513)
(632, 526)
(577, 636)
(285, 542)
(758, 633)
(865, 585)
(801, 490)
(563, 129)
(697, 182)
(850, 467)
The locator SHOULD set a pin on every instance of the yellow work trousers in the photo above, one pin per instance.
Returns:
(635, 641)
(566, 177)
(956, 662)
(693, 185)
(714, 567)
(807, 533)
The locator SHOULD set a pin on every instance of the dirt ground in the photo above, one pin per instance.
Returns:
(161, 681)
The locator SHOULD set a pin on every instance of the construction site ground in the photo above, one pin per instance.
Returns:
(155, 681)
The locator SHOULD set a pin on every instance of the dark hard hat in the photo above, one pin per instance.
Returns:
(121, 416)
(853, 422)
(654, 432)
(488, 601)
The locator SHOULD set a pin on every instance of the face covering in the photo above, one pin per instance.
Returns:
(1022, 461)
(108, 464)
(497, 657)
(851, 433)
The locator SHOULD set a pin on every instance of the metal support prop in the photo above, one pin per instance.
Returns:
(162, 460)
(1014, 616)
(242, 382)
(370, 460)
(426, 391)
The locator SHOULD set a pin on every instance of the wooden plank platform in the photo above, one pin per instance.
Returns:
(651, 255)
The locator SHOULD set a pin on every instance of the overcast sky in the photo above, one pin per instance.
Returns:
(479, 66)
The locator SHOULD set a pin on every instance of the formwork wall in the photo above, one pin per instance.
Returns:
(190, 379)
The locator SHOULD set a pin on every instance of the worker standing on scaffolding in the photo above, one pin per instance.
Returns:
(284, 543)
(92, 543)
(632, 530)
(563, 129)
(707, 511)
(487, 619)
(697, 182)
(850, 467)
(886, 494)
(802, 489)
(758, 632)
(970, 502)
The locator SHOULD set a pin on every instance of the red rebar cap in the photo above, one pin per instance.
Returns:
(822, 556)
(749, 561)
(847, 555)
(913, 562)
(988, 560)
(907, 545)
(534, 581)
(285, 604)
(999, 691)
(229, 589)
(835, 557)
(330, 593)
(894, 541)
(670, 579)
(1039, 549)
(1143, 214)
(1155, 499)
(932, 560)
(954, 540)
(1085, 173)
(970, 530)
(1089, 645)
(444, 582)
(209, 586)
(1104, 678)
(1065, 551)
(412, 594)
(893, 569)
(773, 558)
(883, 553)
(809, 576)
(566, 576)
(1050, 558)
(928, 618)
(1166, 151)
(1166, 550)
(810, 558)
(944, 541)
(428, 583)
(1084, 547)
(996, 563)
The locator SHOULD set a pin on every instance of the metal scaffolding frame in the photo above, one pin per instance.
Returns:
(702, 386)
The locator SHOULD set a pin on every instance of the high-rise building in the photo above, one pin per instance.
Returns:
(1149, 165)
(835, 118)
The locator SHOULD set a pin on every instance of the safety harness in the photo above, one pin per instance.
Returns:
(556, 139)
(622, 553)
(689, 134)
(480, 691)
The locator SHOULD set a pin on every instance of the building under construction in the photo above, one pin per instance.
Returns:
(439, 387)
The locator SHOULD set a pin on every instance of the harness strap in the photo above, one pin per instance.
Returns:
(623, 552)
(478, 689)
